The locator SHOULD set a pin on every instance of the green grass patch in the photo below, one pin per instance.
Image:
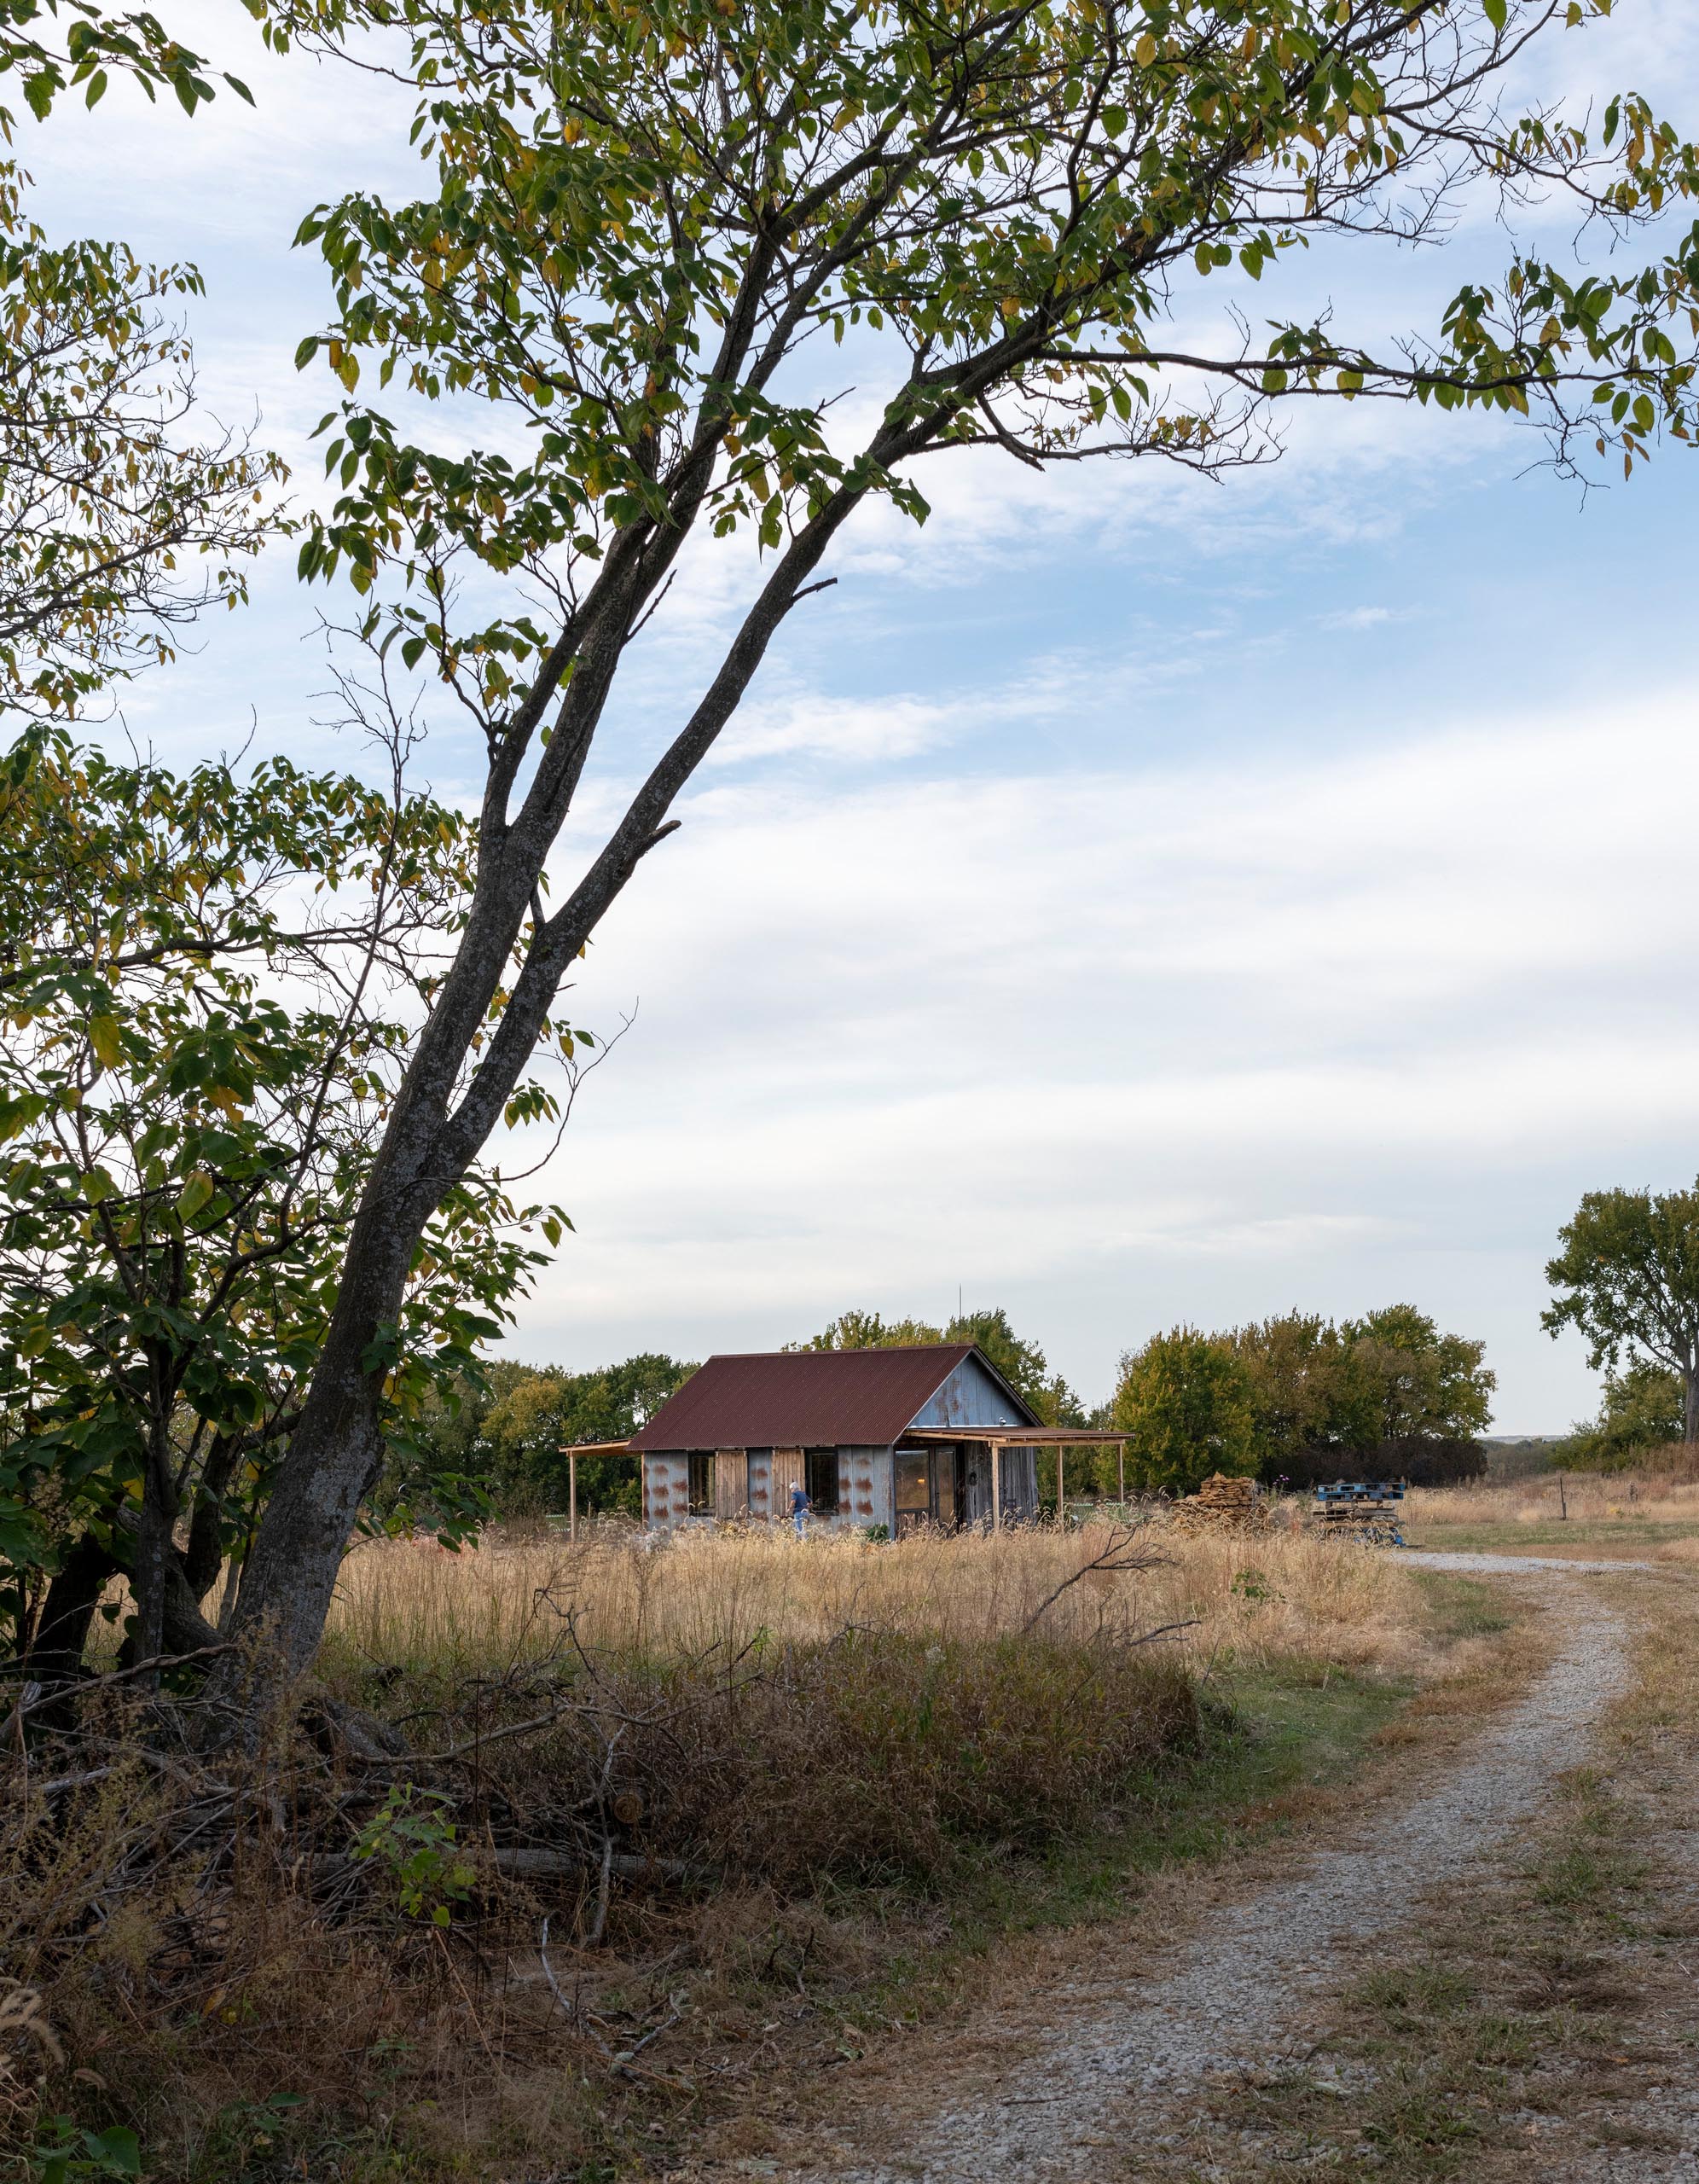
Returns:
(1465, 1607)
(1616, 1532)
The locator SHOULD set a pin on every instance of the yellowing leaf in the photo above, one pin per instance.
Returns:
(195, 1194)
(106, 1040)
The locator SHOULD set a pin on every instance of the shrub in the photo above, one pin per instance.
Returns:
(1421, 1460)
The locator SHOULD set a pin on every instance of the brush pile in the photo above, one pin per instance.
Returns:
(1222, 1504)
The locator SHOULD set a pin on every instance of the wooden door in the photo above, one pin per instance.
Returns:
(787, 1472)
(731, 1484)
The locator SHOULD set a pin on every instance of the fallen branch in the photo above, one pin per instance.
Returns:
(1116, 1557)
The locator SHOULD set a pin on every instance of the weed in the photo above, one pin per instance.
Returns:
(69, 2154)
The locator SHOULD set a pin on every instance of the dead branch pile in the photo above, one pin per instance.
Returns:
(1222, 1504)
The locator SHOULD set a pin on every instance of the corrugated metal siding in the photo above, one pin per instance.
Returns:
(864, 1472)
(666, 1491)
(969, 1397)
(761, 1483)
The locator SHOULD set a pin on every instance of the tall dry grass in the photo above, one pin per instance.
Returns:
(1601, 1501)
(721, 1768)
(1268, 1595)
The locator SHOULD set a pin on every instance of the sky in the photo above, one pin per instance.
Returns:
(1129, 899)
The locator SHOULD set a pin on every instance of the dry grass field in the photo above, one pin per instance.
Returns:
(662, 1810)
(1651, 1513)
(1267, 1597)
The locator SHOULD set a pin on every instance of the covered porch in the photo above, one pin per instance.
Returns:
(957, 1476)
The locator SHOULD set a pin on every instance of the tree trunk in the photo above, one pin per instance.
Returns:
(441, 1119)
(1690, 1424)
(61, 1636)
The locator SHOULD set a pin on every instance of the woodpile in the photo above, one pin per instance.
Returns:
(1222, 1504)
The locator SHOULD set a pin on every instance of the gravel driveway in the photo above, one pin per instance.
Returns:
(1111, 2057)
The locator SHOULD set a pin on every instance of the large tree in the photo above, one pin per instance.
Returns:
(647, 224)
(1628, 1281)
(1185, 1402)
(205, 983)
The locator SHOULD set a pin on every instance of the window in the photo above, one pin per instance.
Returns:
(701, 1461)
(913, 1488)
(819, 1476)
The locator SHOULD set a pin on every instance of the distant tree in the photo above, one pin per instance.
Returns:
(1185, 1403)
(1022, 1364)
(1433, 1386)
(539, 1412)
(1312, 1389)
(1643, 1409)
(1628, 1279)
(859, 1330)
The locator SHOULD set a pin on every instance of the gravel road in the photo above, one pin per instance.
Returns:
(1115, 2054)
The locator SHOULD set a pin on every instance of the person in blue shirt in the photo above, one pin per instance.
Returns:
(800, 1506)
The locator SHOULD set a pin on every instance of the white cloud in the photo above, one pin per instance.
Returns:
(1141, 1045)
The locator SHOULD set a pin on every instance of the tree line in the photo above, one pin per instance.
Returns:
(1292, 1399)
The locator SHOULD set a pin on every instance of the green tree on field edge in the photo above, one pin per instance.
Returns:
(511, 1433)
(1186, 1404)
(1641, 1411)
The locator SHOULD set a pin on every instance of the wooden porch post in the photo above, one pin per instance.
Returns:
(1121, 1460)
(1061, 1506)
(996, 1486)
(572, 1493)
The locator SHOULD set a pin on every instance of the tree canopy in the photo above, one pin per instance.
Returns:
(1185, 1403)
(1627, 1279)
(199, 1035)
(115, 528)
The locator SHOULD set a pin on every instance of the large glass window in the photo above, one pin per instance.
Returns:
(819, 1476)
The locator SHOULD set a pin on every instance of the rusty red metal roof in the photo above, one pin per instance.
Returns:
(803, 1398)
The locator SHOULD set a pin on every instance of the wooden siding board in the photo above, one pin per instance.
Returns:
(787, 1472)
(731, 1484)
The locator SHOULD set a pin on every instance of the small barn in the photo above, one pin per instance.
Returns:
(892, 1437)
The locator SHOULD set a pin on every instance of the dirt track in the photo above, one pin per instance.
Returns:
(1119, 2057)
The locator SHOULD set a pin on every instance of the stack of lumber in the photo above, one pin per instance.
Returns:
(1222, 1504)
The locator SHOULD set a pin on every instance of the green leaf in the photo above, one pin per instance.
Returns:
(119, 2147)
(1495, 12)
(195, 1194)
(106, 1040)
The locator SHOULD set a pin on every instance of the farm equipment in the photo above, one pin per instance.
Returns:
(1365, 1511)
